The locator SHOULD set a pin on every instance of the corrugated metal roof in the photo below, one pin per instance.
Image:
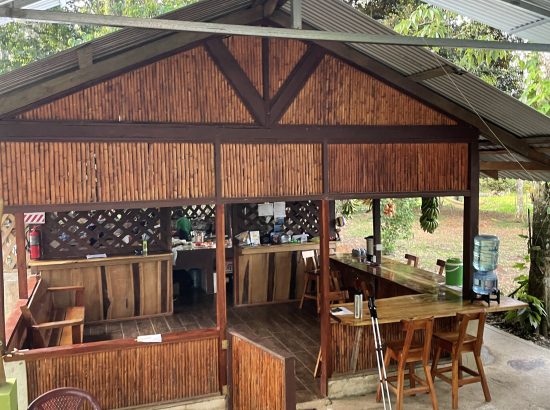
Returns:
(329, 15)
(114, 43)
(518, 19)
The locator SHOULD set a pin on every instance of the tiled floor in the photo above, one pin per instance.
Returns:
(288, 327)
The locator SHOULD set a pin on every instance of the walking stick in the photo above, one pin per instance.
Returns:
(382, 376)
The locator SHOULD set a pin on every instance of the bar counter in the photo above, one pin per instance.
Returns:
(421, 294)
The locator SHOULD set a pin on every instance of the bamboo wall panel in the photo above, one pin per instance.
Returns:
(248, 52)
(339, 94)
(184, 88)
(343, 338)
(68, 173)
(258, 377)
(384, 168)
(132, 376)
(264, 170)
(283, 56)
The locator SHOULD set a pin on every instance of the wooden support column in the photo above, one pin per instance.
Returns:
(166, 228)
(21, 255)
(377, 229)
(221, 306)
(2, 314)
(325, 320)
(471, 220)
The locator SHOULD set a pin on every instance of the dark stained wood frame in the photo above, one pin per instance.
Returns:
(325, 272)
(221, 304)
(20, 239)
(471, 220)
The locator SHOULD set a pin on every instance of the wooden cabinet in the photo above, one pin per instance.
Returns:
(115, 288)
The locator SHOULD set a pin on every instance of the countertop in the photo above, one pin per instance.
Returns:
(70, 263)
(286, 247)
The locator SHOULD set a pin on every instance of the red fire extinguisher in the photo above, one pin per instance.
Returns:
(35, 242)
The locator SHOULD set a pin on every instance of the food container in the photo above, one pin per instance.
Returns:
(285, 238)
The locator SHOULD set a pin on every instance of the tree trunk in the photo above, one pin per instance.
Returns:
(539, 272)
(519, 200)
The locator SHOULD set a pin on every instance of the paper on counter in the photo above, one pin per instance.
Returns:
(150, 338)
(96, 256)
(340, 311)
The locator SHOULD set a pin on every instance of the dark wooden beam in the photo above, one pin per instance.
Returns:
(325, 319)
(471, 221)
(19, 100)
(295, 82)
(31, 131)
(512, 166)
(21, 255)
(166, 228)
(377, 229)
(490, 174)
(419, 91)
(238, 79)
(221, 304)
(433, 73)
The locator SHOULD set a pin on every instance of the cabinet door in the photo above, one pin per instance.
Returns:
(150, 297)
(120, 291)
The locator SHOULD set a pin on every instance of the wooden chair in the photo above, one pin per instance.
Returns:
(65, 398)
(457, 343)
(312, 271)
(441, 264)
(412, 260)
(406, 353)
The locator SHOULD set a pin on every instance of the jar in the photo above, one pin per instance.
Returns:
(486, 252)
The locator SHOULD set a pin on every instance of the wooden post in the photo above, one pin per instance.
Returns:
(165, 215)
(2, 315)
(221, 307)
(377, 229)
(471, 220)
(325, 319)
(21, 255)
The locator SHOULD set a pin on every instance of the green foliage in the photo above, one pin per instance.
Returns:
(529, 318)
(23, 43)
(349, 207)
(497, 186)
(399, 226)
(537, 83)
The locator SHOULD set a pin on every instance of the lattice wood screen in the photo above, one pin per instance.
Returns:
(114, 232)
(9, 254)
(300, 217)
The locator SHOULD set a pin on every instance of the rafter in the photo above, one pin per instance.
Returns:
(511, 166)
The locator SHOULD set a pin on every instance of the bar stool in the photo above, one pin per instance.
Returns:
(406, 352)
(312, 271)
(457, 343)
(441, 264)
(412, 260)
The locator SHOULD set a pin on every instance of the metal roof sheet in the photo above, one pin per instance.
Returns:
(518, 19)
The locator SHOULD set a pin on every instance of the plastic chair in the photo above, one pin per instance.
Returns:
(64, 398)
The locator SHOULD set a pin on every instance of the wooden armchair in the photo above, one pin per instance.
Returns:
(51, 326)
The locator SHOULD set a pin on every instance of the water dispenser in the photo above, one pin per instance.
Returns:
(485, 283)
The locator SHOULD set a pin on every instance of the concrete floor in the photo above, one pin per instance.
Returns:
(518, 372)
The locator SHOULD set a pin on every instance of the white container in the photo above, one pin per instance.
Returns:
(358, 306)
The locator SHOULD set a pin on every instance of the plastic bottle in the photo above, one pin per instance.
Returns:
(358, 300)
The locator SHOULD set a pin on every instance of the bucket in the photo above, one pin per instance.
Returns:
(453, 272)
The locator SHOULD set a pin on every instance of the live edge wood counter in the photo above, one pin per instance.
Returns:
(270, 273)
(116, 287)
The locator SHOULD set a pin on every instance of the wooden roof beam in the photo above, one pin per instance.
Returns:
(18, 100)
(387, 74)
(511, 166)
(435, 72)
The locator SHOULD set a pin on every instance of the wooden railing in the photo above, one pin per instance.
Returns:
(262, 375)
(123, 373)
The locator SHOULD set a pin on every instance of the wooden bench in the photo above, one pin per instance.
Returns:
(51, 326)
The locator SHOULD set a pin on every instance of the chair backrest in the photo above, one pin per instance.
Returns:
(65, 398)
(412, 260)
(411, 326)
(310, 260)
(441, 264)
(462, 322)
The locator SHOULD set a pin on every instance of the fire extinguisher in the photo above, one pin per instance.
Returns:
(35, 243)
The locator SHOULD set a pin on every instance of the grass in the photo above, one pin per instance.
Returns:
(502, 204)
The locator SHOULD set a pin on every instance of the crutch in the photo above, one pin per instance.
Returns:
(382, 376)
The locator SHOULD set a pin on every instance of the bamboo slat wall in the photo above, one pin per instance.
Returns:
(262, 170)
(248, 52)
(380, 168)
(343, 338)
(339, 94)
(283, 56)
(126, 377)
(83, 172)
(258, 377)
(184, 88)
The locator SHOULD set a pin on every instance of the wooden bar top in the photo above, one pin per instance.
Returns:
(434, 298)
(70, 263)
(416, 279)
(391, 310)
(286, 247)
